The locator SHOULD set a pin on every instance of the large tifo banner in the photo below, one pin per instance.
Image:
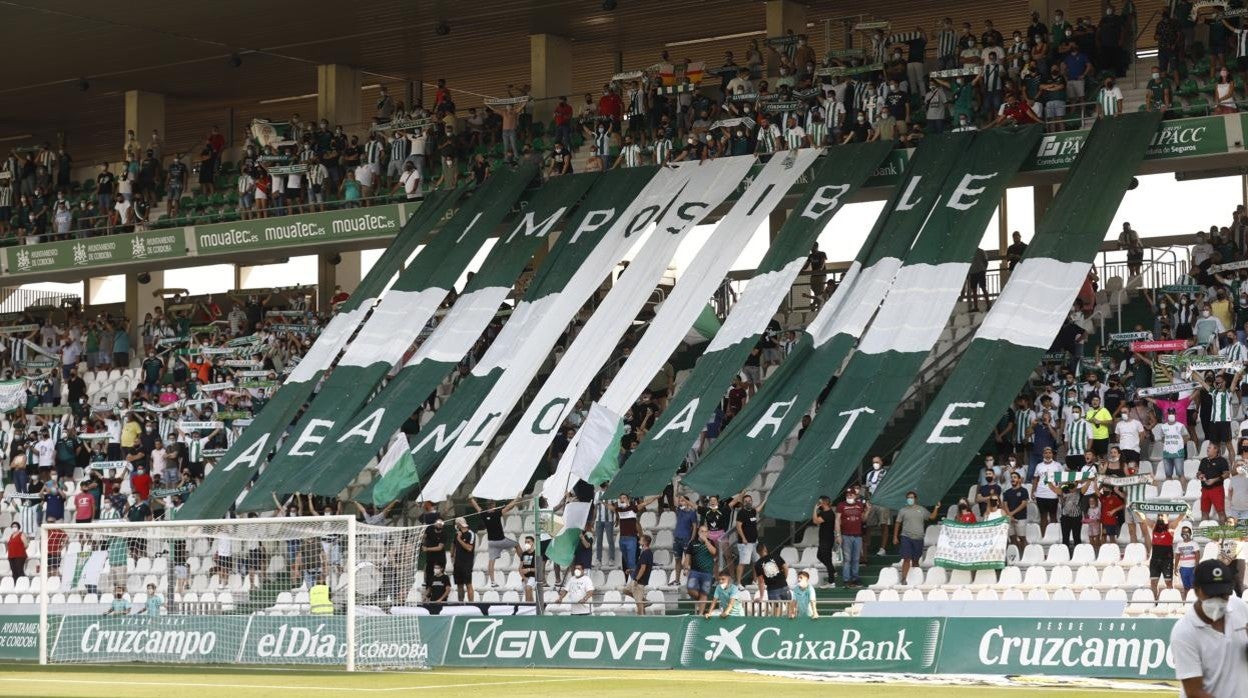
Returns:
(973, 546)
(1023, 322)
(1090, 647)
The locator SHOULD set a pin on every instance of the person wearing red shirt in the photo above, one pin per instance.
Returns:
(16, 549)
(216, 141)
(610, 106)
(84, 506)
(141, 483)
(563, 122)
(1161, 548)
(850, 515)
(57, 539)
(1112, 504)
(339, 296)
(1015, 111)
(442, 94)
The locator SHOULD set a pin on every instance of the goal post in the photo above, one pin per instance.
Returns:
(324, 590)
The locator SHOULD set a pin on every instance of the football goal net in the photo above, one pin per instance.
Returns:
(324, 590)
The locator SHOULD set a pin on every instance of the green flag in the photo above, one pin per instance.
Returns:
(396, 471)
(915, 313)
(1030, 311)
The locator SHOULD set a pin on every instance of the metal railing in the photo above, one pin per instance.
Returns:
(16, 300)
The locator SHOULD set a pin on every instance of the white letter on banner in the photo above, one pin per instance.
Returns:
(251, 456)
(468, 227)
(775, 415)
(592, 221)
(441, 440)
(960, 199)
(366, 427)
(849, 423)
(948, 422)
(820, 203)
(905, 204)
(683, 421)
(531, 228)
(310, 437)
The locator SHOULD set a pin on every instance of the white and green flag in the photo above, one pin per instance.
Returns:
(12, 395)
(774, 412)
(906, 328)
(832, 181)
(225, 482)
(1023, 322)
(973, 546)
(515, 462)
(696, 190)
(352, 439)
(685, 303)
(389, 332)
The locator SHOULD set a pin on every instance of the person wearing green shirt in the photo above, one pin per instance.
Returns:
(1158, 91)
(93, 346)
(119, 606)
(152, 606)
(724, 597)
(121, 348)
(699, 559)
(803, 603)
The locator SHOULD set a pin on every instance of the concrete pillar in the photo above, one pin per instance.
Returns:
(783, 16)
(346, 273)
(145, 111)
(338, 95)
(550, 72)
(140, 302)
(1003, 233)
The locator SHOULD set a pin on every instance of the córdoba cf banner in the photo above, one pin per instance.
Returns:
(833, 181)
(906, 327)
(774, 411)
(453, 337)
(592, 244)
(1025, 319)
(687, 300)
(707, 185)
(973, 546)
(222, 486)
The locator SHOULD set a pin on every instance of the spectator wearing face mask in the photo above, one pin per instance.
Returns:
(725, 599)
(1174, 436)
(804, 603)
(851, 516)
(579, 589)
(909, 531)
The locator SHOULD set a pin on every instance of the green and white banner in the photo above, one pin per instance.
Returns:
(224, 483)
(973, 546)
(593, 242)
(1165, 506)
(905, 329)
(1025, 319)
(390, 330)
(834, 180)
(774, 412)
(709, 184)
(683, 306)
(437, 356)
(12, 395)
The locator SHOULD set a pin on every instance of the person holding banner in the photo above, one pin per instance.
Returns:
(1160, 544)
(1222, 398)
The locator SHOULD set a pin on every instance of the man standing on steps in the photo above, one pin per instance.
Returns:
(825, 518)
(1015, 498)
(909, 531)
(851, 516)
(880, 517)
(496, 540)
(747, 535)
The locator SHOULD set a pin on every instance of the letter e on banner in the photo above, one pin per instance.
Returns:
(947, 421)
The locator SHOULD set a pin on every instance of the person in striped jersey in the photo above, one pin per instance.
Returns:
(795, 136)
(1078, 437)
(1223, 403)
(816, 126)
(630, 154)
(768, 137)
(1109, 99)
(399, 145)
(946, 46)
(1233, 349)
(636, 113)
(662, 147)
(1021, 418)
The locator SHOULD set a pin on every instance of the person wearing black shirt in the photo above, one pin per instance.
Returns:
(747, 535)
(437, 588)
(825, 518)
(434, 548)
(641, 578)
(1212, 472)
(104, 187)
(528, 568)
(859, 131)
(496, 541)
(771, 573)
(1014, 253)
(465, 546)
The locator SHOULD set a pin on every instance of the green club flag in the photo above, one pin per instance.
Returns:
(906, 328)
(396, 470)
(704, 328)
(1022, 323)
(774, 412)
(352, 439)
(589, 246)
(390, 330)
(832, 182)
(222, 486)
(563, 548)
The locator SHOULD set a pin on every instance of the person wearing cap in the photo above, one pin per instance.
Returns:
(1209, 644)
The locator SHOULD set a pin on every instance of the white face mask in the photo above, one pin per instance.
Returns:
(850, 500)
(724, 585)
(578, 573)
(1214, 608)
(803, 583)
(1171, 418)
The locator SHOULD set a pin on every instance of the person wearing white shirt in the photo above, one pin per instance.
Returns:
(1129, 431)
(1041, 493)
(579, 589)
(1209, 644)
(410, 180)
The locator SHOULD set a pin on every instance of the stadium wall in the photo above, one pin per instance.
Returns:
(1088, 647)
